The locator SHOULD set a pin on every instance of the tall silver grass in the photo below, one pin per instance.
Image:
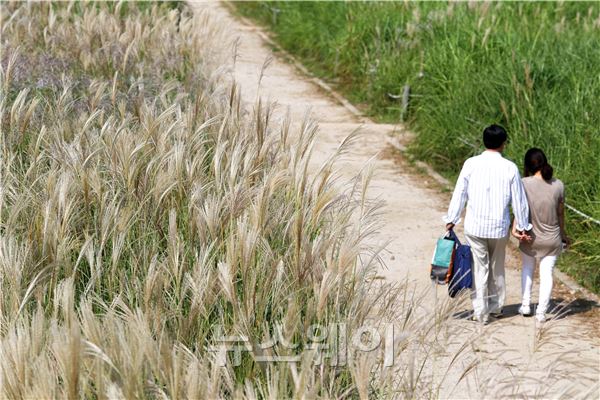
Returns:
(139, 208)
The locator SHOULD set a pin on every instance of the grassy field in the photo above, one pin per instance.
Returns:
(145, 214)
(148, 218)
(530, 67)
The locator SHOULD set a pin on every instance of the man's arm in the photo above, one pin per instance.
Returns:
(459, 198)
(519, 203)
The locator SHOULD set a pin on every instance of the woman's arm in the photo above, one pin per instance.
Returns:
(561, 223)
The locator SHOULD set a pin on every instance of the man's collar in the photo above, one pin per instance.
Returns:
(492, 153)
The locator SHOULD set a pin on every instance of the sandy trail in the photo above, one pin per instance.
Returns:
(412, 213)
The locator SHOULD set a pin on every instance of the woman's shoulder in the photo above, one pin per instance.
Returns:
(557, 182)
(559, 187)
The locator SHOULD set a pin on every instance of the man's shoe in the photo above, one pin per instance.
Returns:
(525, 311)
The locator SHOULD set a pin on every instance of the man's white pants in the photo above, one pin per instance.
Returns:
(488, 274)
(546, 268)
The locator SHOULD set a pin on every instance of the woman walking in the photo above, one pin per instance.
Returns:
(546, 197)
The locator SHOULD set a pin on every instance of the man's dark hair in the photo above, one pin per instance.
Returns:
(494, 137)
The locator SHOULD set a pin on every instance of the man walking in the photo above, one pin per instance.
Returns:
(487, 184)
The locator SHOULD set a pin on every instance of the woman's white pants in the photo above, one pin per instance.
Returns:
(546, 267)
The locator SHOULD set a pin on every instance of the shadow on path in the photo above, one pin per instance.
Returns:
(559, 309)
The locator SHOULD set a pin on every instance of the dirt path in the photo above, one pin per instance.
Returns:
(412, 216)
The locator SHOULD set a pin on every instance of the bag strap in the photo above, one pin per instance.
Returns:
(452, 236)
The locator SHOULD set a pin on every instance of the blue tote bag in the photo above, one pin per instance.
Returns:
(462, 276)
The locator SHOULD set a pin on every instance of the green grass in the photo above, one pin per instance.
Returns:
(532, 67)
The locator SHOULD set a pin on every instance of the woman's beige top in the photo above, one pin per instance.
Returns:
(543, 198)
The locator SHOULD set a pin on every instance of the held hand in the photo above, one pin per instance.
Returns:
(449, 226)
(567, 242)
(516, 233)
(522, 236)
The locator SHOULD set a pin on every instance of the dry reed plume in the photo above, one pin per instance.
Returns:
(140, 208)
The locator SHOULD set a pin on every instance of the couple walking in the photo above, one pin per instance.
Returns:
(488, 183)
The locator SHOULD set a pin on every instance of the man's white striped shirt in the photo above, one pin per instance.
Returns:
(488, 183)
